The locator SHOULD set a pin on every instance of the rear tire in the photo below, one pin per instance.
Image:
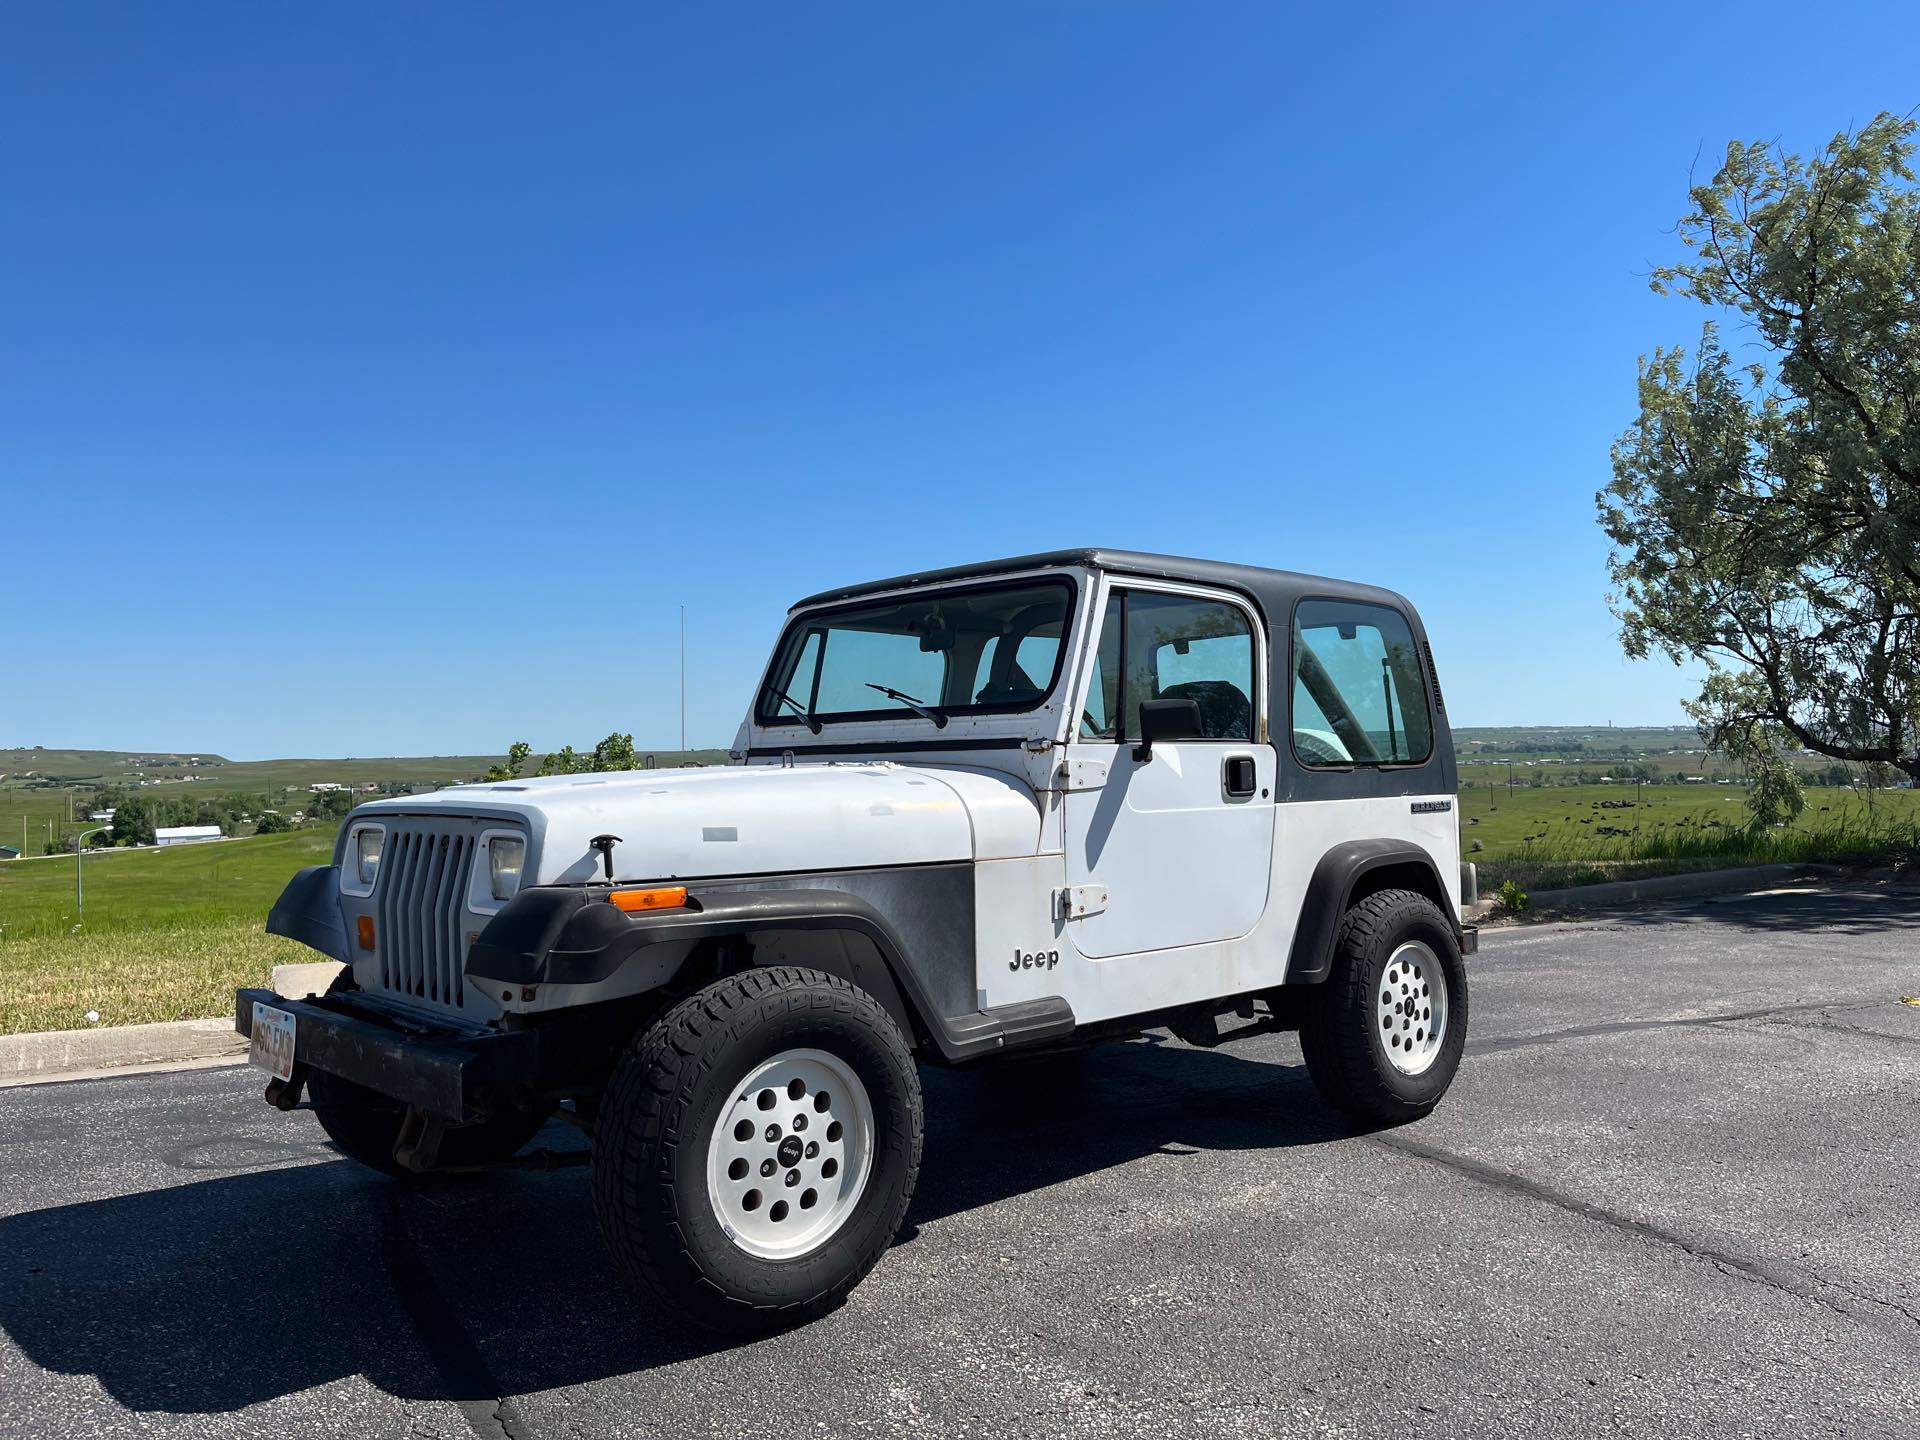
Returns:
(757, 1148)
(1367, 1033)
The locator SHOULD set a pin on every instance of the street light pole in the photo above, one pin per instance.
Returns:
(79, 892)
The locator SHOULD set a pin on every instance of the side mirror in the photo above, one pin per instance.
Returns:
(1166, 720)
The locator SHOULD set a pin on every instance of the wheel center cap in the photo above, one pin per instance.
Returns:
(789, 1152)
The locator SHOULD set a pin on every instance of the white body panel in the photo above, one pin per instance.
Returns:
(1181, 863)
(1016, 911)
(753, 820)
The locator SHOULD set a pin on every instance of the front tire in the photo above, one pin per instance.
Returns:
(1384, 1034)
(757, 1147)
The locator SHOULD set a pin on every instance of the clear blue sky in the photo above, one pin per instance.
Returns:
(380, 379)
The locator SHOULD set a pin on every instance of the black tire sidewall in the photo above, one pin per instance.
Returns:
(1416, 919)
(810, 1020)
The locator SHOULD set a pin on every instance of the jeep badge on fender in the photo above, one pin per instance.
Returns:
(1173, 773)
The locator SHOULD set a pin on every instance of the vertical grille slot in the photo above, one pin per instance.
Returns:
(420, 905)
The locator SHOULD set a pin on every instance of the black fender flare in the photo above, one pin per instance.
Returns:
(1339, 876)
(308, 911)
(555, 935)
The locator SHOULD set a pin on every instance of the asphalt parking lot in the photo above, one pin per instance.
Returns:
(1673, 1192)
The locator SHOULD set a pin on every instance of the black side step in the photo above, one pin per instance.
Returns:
(1003, 1027)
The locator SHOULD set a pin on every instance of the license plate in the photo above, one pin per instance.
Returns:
(272, 1046)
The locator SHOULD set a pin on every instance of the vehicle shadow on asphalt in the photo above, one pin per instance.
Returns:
(212, 1296)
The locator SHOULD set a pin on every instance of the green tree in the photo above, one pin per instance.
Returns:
(1775, 796)
(133, 821)
(613, 753)
(516, 761)
(329, 804)
(562, 762)
(1766, 516)
(271, 822)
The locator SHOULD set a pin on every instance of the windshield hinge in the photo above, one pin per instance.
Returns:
(1038, 745)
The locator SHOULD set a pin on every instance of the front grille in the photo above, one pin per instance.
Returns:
(419, 905)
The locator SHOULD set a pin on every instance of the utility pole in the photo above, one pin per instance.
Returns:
(683, 680)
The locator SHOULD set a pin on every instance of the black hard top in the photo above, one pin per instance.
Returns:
(1274, 590)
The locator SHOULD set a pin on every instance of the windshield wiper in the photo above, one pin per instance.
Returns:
(939, 720)
(805, 714)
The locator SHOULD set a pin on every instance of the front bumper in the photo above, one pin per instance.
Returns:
(446, 1073)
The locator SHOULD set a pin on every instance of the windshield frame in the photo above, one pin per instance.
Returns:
(771, 713)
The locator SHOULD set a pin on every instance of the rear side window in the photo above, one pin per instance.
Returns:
(1359, 697)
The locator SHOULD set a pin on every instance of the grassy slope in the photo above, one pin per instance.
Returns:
(168, 933)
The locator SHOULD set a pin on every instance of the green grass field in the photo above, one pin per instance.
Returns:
(1572, 834)
(26, 814)
(168, 934)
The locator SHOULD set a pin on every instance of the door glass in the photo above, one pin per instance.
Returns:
(1177, 648)
(1182, 648)
(1359, 697)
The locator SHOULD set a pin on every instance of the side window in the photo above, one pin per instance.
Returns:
(1171, 647)
(1359, 697)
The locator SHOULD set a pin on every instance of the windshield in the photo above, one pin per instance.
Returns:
(973, 651)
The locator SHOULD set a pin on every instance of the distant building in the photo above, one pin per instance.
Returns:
(185, 834)
(101, 817)
(7, 852)
(321, 787)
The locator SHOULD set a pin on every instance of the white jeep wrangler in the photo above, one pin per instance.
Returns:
(974, 814)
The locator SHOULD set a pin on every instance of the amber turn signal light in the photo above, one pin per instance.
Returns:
(663, 897)
(365, 928)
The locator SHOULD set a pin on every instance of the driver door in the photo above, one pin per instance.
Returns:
(1180, 839)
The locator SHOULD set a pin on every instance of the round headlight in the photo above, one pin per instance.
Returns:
(367, 854)
(505, 855)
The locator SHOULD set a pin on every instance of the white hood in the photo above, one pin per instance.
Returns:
(751, 820)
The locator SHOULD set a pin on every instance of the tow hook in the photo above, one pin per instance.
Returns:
(284, 1095)
(418, 1145)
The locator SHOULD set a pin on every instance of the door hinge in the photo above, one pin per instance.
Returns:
(1076, 902)
(1038, 745)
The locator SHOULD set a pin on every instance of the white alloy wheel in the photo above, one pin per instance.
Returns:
(790, 1155)
(1410, 1010)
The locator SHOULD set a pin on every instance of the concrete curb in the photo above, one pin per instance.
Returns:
(72, 1054)
(52, 1054)
(1679, 887)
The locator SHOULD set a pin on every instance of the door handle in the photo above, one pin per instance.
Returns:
(1240, 777)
